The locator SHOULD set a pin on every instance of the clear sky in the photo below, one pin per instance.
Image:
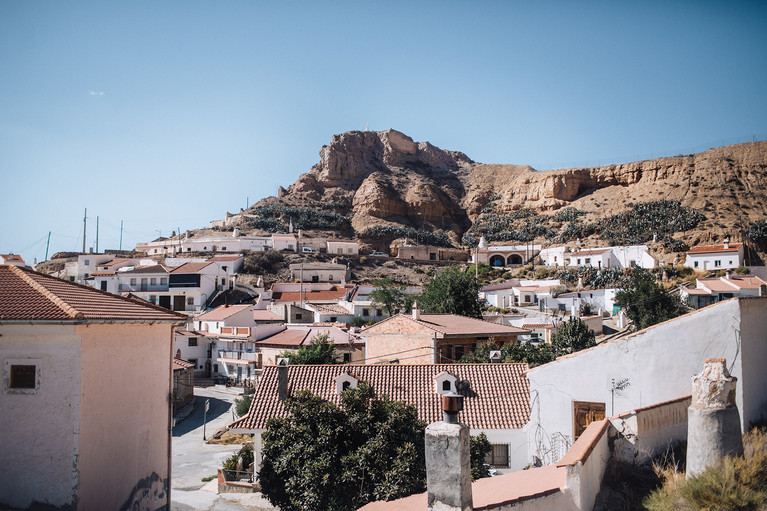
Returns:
(166, 114)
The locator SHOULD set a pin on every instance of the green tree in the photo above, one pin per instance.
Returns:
(454, 291)
(646, 302)
(319, 351)
(388, 295)
(329, 457)
(242, 405)
(480, 447)
(571, 336)
(532, 354)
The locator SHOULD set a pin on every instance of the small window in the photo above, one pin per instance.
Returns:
(188, 249)
(299, 316)
(133, 281)
(345, 385)
(192, 341)
(366, 312)
(717, 263)
(696, 264)
(87, 262)
(446, 385)
(578, 261)
(190, 300)
(379, 312)
(333, 319)
(23, 376)
(498, 457)
(153, 281)
(347, 358)
(163, 281)
(588, 260)
(152, 299)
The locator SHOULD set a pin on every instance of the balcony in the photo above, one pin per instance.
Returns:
(142, 287)
(240, 357)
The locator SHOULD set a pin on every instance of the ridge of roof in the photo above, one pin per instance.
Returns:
(61, 304)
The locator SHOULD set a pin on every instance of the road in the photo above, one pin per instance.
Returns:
(193, 459)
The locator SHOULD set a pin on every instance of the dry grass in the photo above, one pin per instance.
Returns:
(226, 438)
(738, 483)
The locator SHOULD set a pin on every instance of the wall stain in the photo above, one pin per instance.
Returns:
(149, 494)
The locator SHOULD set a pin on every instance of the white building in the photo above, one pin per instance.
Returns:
(343, 247)
(320, 272)
(715, 257)
(651, 366)
(713, 290)
(504, 255)
(602, 257)
(85, 404)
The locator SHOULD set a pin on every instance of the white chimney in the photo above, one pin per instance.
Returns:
(416, 311)
(726, 243)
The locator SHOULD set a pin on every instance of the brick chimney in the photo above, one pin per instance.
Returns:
(448, 460)
(713, 421)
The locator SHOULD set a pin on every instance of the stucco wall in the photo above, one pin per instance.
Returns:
(400, 339)
(658, 363)
(124, 430)
(584, 479)
(517, 441)
(753, 336)
(38, 459)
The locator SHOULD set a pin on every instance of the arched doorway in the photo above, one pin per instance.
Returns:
(497, 261)
(515, 259)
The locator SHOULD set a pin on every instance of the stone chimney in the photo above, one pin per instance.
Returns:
(282, 379)
(416, 311)
(713, 421)
(448, 460)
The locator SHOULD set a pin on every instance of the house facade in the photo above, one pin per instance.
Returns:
(77, 365)
(430, 338)
(320, 272)
(726, 256)
(349, 347)
(601, 257)
(342, 247)
(650, 366)
(496, 399)
(505, 255)
(713, 290)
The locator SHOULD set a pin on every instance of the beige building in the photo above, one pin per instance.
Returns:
(85, 405)
(431, 338)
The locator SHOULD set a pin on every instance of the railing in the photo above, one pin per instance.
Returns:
(238, 355)
(142, 287)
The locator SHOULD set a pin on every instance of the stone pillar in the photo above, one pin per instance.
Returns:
(713, 421)
(448, 467)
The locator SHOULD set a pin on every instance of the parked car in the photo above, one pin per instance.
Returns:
(308, 250)
(379, 254)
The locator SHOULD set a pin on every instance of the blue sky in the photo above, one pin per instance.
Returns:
(166, 114)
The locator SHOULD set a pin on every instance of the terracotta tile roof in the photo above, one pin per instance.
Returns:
(491, 492)
(265, 315)
(503, 285)
(330, 308)
(151, 268)
(103, 272)
(309, 295)
(225, 258)
(452, 324)
(580, 450)
(12, 257)
(718, 285)
(294, 337)
(28, 295)
(288, 338)
(498, 397)
(283, 237)
(708, 249)
(222, 312)
(747, 281)
(179, 364)
(193, 267)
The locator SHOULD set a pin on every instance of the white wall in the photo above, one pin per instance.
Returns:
(517, 441)
(38, 459)
(728, 260)
(658, 363)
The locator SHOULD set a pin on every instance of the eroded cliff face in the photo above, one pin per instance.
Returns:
(385, 178)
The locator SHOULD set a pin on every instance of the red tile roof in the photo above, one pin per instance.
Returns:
(454, 325)
(26, 295)
(265, 315)
(192, 267)
(498, 397)
(294, 337)
(309, 295)
(590, 251)
(707, 249)
(222, 312)
(12, 257)
(491, 492)
(150, 268)
(498, 287)
(179, 364)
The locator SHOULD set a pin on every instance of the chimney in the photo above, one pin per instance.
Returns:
(448, 460)
(178, 353)
(713, 420)
(282, 379)
(726, 243)
(728, 274)
(416, 311)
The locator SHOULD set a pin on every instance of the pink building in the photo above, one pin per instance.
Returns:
(85, 403)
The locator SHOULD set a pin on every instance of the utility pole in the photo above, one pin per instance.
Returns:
(121, 234)
(47, 245)
(85, 217)
(97, 234)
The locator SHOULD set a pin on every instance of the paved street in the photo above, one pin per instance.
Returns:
(193, 459)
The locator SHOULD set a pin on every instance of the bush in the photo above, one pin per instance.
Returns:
(257, 263)
(242, 405)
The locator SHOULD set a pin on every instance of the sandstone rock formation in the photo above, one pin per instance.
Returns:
(385, 178)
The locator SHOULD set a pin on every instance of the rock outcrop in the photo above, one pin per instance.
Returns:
(385, 178)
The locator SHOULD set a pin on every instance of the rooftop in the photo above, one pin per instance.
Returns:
(222, 312)
(454, 325)
(26, 295)
(708, 249)
(498, 397)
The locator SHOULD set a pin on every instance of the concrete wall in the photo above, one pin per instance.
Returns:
(38, 459)
(658, 363)
(124, 451)
(584, 478)
(728, 260)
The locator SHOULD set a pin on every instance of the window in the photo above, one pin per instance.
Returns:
(223, 248)
(22, 376)
(578, 261)
(587, 260)
(190, 300)
(188, 249)
(498, 457)
(347, 357)
(133, 281)
(379, 312)
(717, 263)
(192, 341)
(163, 281)
(345, 385)
(696, 264)
(299, 316)
(446, 385)
(152, 299)
(103, 285)
(333, 319)
(153, 281)
(87, 262)
(366, 312)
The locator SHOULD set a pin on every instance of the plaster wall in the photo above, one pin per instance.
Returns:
(752, 336)
(517, 441)
(125, 409)
(401, 339)
(39, 458)
(559, 501)
(728, 260)
(658, 363)
(584, 479)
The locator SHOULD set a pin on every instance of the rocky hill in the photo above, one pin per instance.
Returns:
(380, 186)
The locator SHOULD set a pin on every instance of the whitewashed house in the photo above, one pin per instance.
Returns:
(320, 272)
(496, 399)
(504, 255)
(715, 257)
(85, 402)
(284, 242)
(651, 366)
(713, 290)
(344, 247)
(601, 257)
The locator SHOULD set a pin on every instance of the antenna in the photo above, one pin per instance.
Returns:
(97, 234)
(47, 245)
(85, 216)
(121, 234)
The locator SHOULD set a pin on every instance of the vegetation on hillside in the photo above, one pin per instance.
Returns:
(277, 217)
(392, 232)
